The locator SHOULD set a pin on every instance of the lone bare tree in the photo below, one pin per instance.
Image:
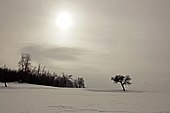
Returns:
(24, 63)
(123, 80)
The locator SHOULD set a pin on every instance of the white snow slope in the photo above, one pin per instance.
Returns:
(27, 98)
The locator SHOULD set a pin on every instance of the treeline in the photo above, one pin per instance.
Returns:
(38, 75)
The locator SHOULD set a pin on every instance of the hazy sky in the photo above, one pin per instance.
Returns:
(107, 37)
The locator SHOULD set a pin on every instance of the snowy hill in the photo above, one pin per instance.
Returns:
(28, 98)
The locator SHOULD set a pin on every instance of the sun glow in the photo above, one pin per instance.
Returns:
(64, 20)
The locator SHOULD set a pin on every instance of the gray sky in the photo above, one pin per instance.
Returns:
(107, 37)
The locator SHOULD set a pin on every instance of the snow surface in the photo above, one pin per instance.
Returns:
(27, 98)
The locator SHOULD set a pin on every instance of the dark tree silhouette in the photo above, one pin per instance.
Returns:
(123, 80)
(8, 75)
(24, 63)
(81, 83)
(4, 75)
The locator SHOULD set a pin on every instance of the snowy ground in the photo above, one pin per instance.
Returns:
(27, 98)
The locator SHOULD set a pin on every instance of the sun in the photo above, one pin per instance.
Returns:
(64, 20)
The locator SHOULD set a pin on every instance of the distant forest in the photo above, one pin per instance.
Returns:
(27, 73)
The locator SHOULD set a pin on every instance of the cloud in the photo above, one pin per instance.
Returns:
(41, 52)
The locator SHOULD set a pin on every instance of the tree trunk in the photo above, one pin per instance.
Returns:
(5, 84)
(123, 87)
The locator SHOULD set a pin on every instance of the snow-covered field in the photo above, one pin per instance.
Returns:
(27, 98)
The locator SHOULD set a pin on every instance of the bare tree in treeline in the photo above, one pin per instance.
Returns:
(4, 76)
(81, 83)
(67, 81)
(8, 75)
(123, 80)
(25, 62)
